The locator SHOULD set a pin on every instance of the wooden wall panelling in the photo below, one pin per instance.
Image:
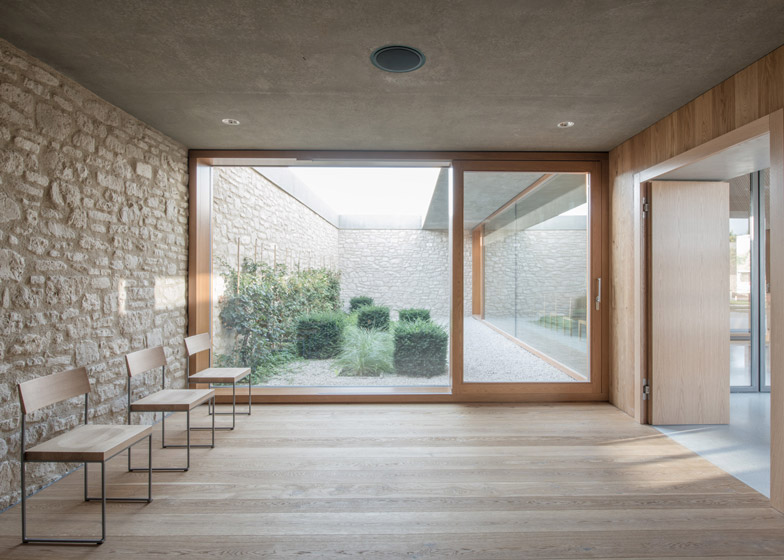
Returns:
(749, 95)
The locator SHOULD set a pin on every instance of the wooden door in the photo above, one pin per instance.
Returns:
(689, 302)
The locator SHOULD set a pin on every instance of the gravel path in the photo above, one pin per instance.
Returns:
(489, 357)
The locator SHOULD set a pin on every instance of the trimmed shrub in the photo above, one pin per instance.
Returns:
(260, 308)
(319, 334)
(360, 301)
(365, 353)
(411, 315)
(373, 317)
(420, 349)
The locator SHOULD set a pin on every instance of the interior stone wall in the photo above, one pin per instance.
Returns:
(93, 251)
(270, 225)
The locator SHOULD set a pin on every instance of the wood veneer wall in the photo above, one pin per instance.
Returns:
(752, 93)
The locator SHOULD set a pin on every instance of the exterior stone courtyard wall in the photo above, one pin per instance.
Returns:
(553, 271)
(270, 224)
(93, 252)
(533, 270)
(401, 269)
(397, 268)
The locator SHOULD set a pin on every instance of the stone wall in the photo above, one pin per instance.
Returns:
(551, 271)
(93, 250)
(400, 269)
(270, 224)
(531, 270)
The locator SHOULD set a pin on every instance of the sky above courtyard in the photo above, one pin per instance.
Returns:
(372, 190)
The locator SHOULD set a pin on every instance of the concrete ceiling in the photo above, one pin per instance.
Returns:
(484, 193)
(499, 74)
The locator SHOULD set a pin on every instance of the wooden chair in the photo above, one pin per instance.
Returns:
(166, 400)
(201, 342)
(87, 443)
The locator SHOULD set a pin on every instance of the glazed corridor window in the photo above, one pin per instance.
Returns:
(531, 254)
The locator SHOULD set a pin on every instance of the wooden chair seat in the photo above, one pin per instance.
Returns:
(88, 443)
(172, 400)
(219, 375)
(228, 375)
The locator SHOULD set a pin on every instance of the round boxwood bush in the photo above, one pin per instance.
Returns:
(414, 314)
(360, 301)
(373, 317)
(420, 348)
(319, 334)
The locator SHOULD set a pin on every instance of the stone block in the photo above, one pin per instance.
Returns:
(12, 265)
(53, 122)
(87, 352)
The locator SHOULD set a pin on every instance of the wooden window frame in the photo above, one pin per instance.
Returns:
(200, 273)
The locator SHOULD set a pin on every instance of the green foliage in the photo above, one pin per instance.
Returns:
(260, 307)
(360, 301)
(365, 353)
(414, 314)
(373, 317)
(420, 348)
(319, 334)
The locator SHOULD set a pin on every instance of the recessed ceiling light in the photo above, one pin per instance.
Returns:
(397, 58)
(232, 122)
(565, 124)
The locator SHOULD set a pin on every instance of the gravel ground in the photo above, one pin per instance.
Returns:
(489, 357)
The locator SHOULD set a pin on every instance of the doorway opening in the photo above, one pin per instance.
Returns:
(741, 446)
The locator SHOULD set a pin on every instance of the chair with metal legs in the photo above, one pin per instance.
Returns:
(200, 343)
(87, 443)
(166, 400)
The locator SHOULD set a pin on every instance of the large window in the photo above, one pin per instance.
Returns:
(531, 232)
(332, 276)
(749, 297)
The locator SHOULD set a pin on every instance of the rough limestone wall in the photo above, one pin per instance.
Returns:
(93, 251)
(552, 270)
(400, 269)
(533, 270)
(246, 205)
(501, 252)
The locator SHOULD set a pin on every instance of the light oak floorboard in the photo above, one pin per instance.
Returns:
(478, 482)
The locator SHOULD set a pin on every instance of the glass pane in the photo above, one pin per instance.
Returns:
(765, 190)
(332, 276)
(532, 324)
(740, 281)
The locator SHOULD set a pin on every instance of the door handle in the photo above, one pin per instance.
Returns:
(598, 298)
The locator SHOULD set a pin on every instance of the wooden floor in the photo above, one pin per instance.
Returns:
(418, 482)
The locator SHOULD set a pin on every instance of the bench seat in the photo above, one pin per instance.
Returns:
(172, 400)
(219, 375)
(88, 443)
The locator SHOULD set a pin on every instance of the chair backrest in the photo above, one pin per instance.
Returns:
(145, 360)
(43, 391)
(197, 343)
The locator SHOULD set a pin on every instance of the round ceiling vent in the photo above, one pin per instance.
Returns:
(397, 58)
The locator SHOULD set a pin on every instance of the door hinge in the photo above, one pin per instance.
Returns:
(646, 207)
(646, 390)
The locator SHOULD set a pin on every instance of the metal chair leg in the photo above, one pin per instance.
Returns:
(28, 540)
(149, 469)
(165, 446)
(233, 412)
(189, 429)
